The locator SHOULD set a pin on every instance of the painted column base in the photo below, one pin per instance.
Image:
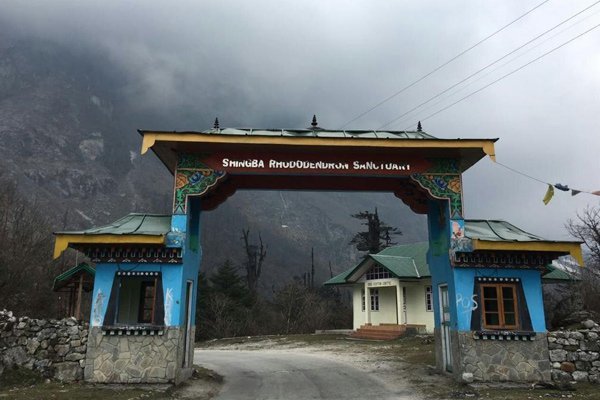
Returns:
(496, 360)
(136, 358)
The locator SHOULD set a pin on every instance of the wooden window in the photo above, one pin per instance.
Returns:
(499, 306)
(147, 302)
(136, 300)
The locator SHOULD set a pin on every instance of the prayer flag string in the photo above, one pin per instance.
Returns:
(550, 190)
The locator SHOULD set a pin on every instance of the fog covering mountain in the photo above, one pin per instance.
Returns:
(68, 120)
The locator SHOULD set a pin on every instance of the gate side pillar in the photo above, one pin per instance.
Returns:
(186, 228)
(443, 284)
(152, 344)
(443, 185)
(464, 346)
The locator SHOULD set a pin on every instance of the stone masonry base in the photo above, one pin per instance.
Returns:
(136, 358)
(497, 360)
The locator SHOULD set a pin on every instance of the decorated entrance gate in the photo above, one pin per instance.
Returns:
(162, 254)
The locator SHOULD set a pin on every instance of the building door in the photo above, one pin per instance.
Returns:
(445, 320)
(187, 339)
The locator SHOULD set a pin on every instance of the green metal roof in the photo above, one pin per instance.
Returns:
(339, 279)
(401, 267)
(131, 224)
(557, 275)
(404, 261)
(499, 231)
(323, 133)
(62, 279)
(417, 251)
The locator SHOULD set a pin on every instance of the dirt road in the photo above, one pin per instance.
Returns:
(294, 374)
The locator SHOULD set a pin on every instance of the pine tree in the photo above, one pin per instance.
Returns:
(227, 282)
(378, 235)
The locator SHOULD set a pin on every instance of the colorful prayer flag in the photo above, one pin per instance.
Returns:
(549, 194)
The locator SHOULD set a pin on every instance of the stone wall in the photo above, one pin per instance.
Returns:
(500, 360)
(136, 358)
(575, 355)
(55, 348)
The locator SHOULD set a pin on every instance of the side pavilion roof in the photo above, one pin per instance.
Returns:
(502, 235)
(132, 228)
(70, 275)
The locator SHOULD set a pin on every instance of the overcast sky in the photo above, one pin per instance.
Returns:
(275, 63)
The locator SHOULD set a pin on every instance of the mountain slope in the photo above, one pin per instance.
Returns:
(67, 131)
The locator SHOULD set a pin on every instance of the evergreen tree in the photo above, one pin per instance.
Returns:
(202, 299)
(227, 282)
(378, 235)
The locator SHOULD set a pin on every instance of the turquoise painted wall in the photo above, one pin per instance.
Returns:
(192, 256)
(103, 281)
(174, 276)
(464, 279)
(438, 257)
(461, 281)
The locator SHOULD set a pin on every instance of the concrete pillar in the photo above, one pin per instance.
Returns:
(367, 304)
(399, 303)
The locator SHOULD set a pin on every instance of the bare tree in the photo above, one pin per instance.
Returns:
(255, 255)
(26, 267)
(586, 227)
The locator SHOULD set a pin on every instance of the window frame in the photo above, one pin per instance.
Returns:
(502, 325)
(363, 299)
(429, 298)
(112, 318)
(374, 294)
(377, 272)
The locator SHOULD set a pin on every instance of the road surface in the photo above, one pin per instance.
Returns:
(293, 375)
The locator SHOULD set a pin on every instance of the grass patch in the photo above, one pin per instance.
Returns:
(19, 377)
(205, 374)
(23, 384)
(79, 391)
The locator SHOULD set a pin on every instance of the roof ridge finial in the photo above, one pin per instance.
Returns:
(419, 127)
(216, 125)
(314, 121)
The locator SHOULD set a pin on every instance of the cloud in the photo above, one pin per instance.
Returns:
(275, 63)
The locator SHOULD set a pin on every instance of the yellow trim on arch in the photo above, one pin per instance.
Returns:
(63, 241)
(486, 145)
(573, 248)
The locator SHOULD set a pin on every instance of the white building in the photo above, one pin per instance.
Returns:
(391, 289)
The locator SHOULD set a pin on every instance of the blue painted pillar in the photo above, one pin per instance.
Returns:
(189, 224)
(438, 258)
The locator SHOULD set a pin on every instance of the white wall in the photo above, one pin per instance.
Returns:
(415, 308)
(416, 311)
(387, 307)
